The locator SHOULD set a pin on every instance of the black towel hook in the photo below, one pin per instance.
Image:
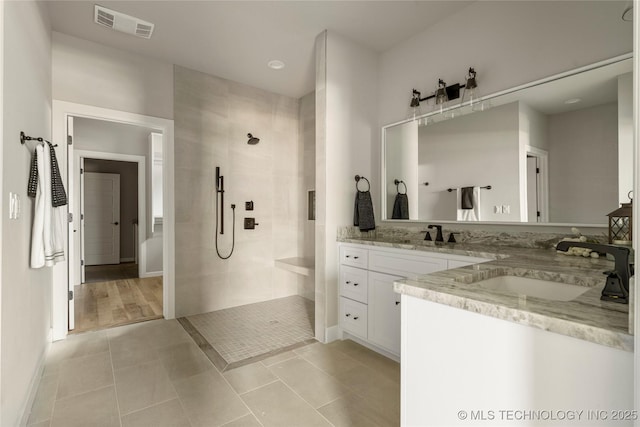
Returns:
(397, 183)
(358, 178)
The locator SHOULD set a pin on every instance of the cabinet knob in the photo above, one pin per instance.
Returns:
(355, 318)
(348, 314)
(347, 256)
(355, 257)
(348, 282)
(397, 302)
(355, 284)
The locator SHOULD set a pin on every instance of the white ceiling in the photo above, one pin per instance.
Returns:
(236, 39)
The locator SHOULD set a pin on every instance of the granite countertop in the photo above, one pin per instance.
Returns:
(586, 317)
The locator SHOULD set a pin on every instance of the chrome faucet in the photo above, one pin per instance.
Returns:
(616, 288)
(439, 237)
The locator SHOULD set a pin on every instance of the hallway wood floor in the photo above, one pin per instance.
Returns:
(117, 302)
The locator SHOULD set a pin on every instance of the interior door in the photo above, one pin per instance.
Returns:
(101, 199)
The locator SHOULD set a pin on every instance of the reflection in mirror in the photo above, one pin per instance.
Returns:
(560, 151)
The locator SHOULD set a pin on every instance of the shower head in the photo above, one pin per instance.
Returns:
(252, 140)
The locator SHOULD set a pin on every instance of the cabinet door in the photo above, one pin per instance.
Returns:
(384, 312)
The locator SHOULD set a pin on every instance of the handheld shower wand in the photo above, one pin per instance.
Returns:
(220, 190)
(220, 207)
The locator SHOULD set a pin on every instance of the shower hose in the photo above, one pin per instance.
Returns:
(233, 231)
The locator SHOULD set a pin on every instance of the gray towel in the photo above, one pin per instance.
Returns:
(363, 212)
(58, 194)
(466, 198)
(400, 207)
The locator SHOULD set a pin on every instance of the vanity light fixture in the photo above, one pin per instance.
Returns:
(445, 93)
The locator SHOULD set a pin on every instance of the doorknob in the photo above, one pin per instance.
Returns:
(115, 223)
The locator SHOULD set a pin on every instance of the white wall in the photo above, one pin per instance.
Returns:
(533, 132)
(625, 137)
(110, 137)
(583, 165)
(478, 149)
(93, 74)
(401, 152)
(346, 130)
(307, 164)
(509, 43)
(25, 293)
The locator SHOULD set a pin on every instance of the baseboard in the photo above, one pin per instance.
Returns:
(130, 259)
(370, 346)
(150, 274)
(331, 334)
(35, 381)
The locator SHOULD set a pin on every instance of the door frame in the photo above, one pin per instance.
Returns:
(542, 180)
(74, 256)
(61, 110)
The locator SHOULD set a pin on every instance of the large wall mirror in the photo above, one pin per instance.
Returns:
(556, 151)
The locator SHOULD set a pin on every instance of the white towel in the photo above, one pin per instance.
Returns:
(468, 214)
(47, 236)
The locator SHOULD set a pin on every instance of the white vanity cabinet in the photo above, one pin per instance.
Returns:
(369, 308)
(384, 305)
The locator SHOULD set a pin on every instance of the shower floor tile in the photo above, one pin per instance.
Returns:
(241, 335)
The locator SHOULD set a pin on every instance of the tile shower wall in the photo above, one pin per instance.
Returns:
(307, 132)
(212, 119)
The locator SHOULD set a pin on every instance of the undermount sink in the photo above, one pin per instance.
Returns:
(544, 289)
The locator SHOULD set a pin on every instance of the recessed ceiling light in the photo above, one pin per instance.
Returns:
(573, 101)
(276, 64)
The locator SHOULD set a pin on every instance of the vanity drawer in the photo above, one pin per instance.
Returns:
(353, 256)
(353, 317)
(353, 283)
(405, 265)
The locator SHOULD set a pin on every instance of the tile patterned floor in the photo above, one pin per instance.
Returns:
(241, 335)
(153, 375)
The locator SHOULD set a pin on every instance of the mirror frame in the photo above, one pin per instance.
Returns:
(383, 169)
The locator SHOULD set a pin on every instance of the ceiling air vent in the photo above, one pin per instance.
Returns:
(123, 23)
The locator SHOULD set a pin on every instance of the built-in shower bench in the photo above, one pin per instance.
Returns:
(304, 266)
